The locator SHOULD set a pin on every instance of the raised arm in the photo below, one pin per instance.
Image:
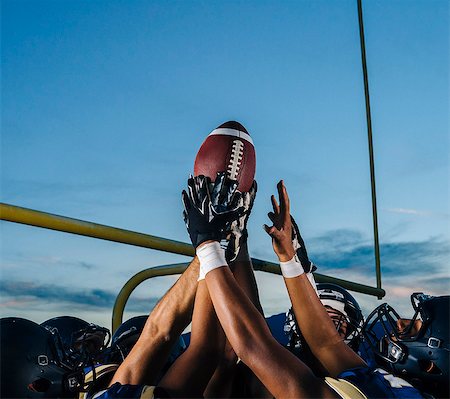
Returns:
(316, 325)
(281, 372)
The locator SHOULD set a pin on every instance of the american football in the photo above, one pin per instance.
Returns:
(228, 148)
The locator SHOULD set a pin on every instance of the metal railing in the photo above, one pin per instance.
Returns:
(178, 268)
(50, 221)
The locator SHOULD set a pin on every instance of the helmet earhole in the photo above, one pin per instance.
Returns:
(429, 367)
(39, 385)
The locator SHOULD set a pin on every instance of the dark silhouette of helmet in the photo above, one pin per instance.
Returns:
(416, 349)
(82, 341)
(31, 364)
(68, 328)
(125, 337)
(344, 310)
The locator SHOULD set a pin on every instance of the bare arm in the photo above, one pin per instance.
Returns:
(278, 369)
(246, 330)
(314, 321)
(163, 327)
(221, 383)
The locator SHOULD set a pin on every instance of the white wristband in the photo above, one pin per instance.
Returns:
(292, 268)
(211, 256)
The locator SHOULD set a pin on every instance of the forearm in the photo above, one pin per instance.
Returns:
(222, 381)
(173, 312)
(163, 327)
(318, 329)
(315, 324)
(244, 275)
(279, 370)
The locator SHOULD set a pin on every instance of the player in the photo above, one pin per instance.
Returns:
(417, 349)
(207, 366)
(340, 305)
(347, 318)
(141, 361)
(137, 375)
(46, 360)
(33, 362)
(283, 374)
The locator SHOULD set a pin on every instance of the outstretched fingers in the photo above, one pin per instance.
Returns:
(284, 201)
(272, 217)
(275, 206)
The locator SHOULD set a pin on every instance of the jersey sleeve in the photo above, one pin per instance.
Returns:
(345, 389)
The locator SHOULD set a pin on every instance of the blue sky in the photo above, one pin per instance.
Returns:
(105, 104)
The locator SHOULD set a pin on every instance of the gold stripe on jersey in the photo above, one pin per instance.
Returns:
(147, 392)
(345, 389)
(103, 375)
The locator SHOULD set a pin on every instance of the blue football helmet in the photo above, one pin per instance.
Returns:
(416, 349)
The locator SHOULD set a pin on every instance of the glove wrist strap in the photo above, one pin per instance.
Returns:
(211, 256)
(292, 268)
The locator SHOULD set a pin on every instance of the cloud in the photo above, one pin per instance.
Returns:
(14, 259)
(348, 254)
(397, 258)
(406, 211)
(416, 212)
(407, 267)
(337, 240)
(15, 302)
(26, 292)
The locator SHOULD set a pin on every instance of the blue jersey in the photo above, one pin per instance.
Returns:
(126, 391)
(377, 383)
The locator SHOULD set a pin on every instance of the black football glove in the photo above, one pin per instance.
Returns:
(300, 249)
(205, 221)
(224, 194)
(237, 229)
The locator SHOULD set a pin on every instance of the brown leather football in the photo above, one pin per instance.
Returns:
(228, 148)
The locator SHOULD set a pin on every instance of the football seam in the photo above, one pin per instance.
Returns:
(237, 153)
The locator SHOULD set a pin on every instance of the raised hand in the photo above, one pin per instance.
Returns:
(205, 220)
(281, 229)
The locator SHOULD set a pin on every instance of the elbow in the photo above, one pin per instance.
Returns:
(157, 332)
(247, 347)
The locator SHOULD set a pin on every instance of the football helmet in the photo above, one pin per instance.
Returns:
(82, 342)
(345, 312)
(32, 364)
(416, 349)
(125, 337)
(343, 309)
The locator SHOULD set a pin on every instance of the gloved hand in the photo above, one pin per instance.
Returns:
(224, 193)
(237, 229)
(209, 207)
(300, 248)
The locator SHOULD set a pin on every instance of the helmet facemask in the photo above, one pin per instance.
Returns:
(417, 349)
(344, 311)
